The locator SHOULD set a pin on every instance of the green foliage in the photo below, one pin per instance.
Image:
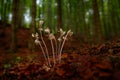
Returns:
(18, 59)
(76, 15)
(7, 65)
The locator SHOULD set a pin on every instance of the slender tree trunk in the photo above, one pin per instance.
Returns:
(76, 18)
(104, 24)
(14, 25)
(110, 23)
(33, 24)
(114, 15)
(21, 10)
(96, 22)
(49, 14)
(3, 16)
(83, 20)
(43, 11)
(54, 19)
(2, 9)
(59, 11)
(68, 14)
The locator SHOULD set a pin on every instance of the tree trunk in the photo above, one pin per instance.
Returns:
(104, 24)
(59, 12)
(96, 22)
(14, 25)
(49, 22)
(21, 10)
(83, 20)
(32, 25)
(3, 16)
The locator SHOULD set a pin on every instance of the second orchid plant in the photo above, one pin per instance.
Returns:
(57, 44)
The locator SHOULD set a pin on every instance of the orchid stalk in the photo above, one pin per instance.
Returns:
(37, 42)
(51, 38)
(62, 33)
(40, 29)
(69, 33)
(53, 52)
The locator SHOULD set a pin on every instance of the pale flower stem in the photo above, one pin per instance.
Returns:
(43, 53)
(45, 49)
(56, 48)
(53, 53)
(61, 48)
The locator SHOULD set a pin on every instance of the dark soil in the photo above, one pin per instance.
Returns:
(80, 61)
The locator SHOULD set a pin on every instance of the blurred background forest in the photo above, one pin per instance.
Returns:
(90, 20)
(91, 53)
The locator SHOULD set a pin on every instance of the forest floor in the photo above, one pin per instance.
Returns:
(80, 61)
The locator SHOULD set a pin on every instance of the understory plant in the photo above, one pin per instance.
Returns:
(57, 44)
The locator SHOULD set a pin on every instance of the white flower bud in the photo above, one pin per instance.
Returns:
(46, 68)
(47, 30)
(62, 32)
(70, 33)
(40, 29)
(59, 39)
(51, 36)
(37, 41)
(36, 35)
(33, 35)
(65, 38)
(41, 23)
